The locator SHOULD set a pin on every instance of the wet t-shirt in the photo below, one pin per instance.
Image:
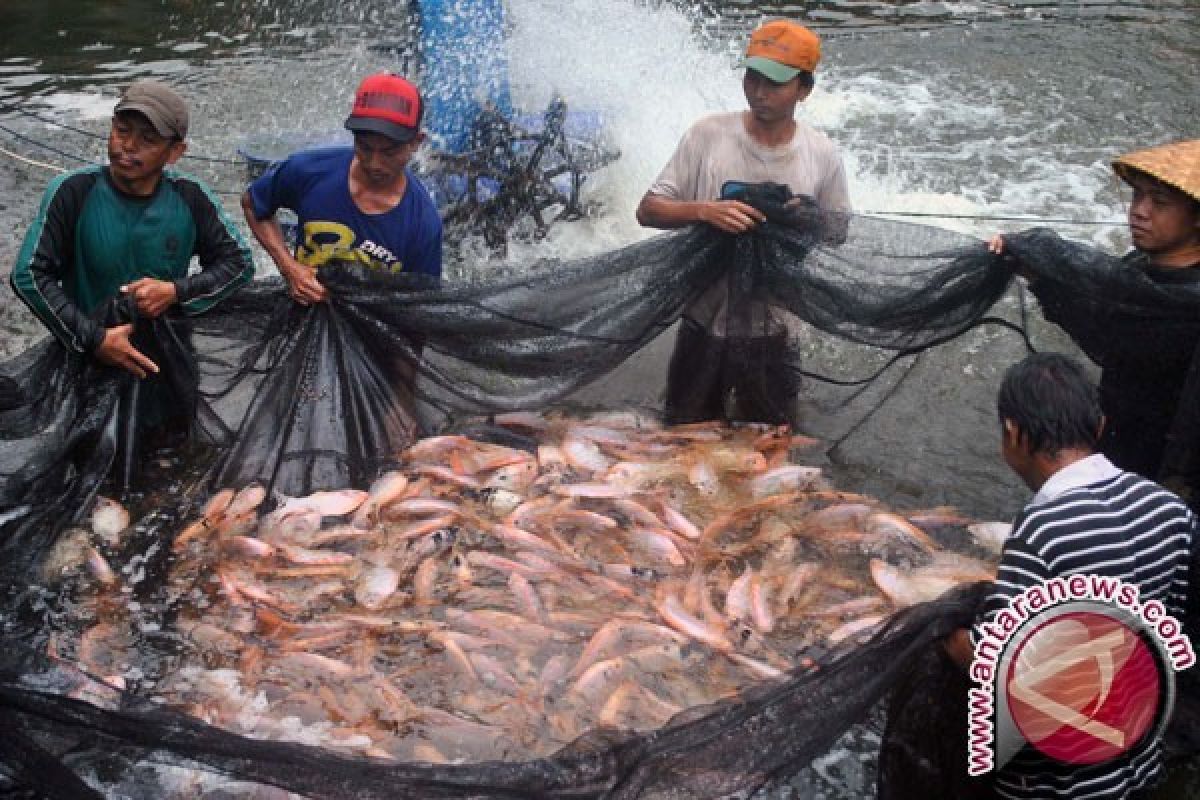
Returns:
(717, 149)
(315, 184)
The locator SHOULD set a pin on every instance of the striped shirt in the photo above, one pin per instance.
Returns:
(1092, 518)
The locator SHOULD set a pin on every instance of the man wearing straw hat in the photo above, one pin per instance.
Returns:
(762, 144)
(1139, 318)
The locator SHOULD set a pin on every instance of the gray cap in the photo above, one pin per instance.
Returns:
(160, 104)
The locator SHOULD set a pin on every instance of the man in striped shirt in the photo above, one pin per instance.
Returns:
(1087, 517)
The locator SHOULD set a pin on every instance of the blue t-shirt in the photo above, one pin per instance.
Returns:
(315, 184)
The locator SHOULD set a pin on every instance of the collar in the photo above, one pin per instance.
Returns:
(1084, 472)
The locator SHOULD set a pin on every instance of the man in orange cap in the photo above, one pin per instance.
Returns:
(1138, 319)
(764, 144)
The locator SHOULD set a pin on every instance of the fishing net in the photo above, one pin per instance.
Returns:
(531, 400)
(1140, 324)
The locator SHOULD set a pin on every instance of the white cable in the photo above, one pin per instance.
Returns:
(41, 164)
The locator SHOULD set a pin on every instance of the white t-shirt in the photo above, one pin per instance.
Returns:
(717, 149)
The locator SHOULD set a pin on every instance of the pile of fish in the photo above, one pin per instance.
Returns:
(485, 602)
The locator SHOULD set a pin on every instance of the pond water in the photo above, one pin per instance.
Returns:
(977, 116)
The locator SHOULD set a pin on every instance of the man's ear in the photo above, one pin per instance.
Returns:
(176, 152)
(1012, 433)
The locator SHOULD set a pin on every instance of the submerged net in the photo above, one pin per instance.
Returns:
(388, 615)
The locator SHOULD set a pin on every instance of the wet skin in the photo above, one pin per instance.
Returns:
(1163, 221)
(377, 180)
(773, 104)
(137, 153)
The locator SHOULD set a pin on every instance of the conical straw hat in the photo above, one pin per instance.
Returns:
(1176, 164)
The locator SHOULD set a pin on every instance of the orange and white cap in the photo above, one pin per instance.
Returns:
(781, 50)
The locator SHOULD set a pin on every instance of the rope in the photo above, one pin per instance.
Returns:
(41, 164)
(43, 145)
(1058, 220)
(73, 157)
(94, 135)
(931, 214)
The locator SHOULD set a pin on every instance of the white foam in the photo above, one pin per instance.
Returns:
(643, 69)
(81, 105)
(912, 141)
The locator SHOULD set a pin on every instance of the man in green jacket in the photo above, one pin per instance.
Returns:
(132, 228)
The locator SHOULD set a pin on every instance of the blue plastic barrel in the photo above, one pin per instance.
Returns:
(464, 66)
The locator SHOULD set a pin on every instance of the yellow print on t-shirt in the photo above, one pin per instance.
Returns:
(326, 241)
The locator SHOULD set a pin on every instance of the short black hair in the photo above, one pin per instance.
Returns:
(1053, 403)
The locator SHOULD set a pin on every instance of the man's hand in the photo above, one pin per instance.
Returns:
(958, 646)
(151, 296)
(303, 285)
(117, 351)
(731, 216)
(995, 245)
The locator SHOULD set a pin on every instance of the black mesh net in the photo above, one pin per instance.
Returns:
(438, 542)
(1140, 325)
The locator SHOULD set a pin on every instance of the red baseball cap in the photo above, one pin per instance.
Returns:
(387, 104)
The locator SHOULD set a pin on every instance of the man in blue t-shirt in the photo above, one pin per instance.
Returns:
(357, 203)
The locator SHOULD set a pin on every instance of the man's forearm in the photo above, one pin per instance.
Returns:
(225, 258)
(268, 233)
(656, 211)
(51, 304)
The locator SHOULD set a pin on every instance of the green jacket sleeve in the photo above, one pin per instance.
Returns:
(225, 259)
(45, 260)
